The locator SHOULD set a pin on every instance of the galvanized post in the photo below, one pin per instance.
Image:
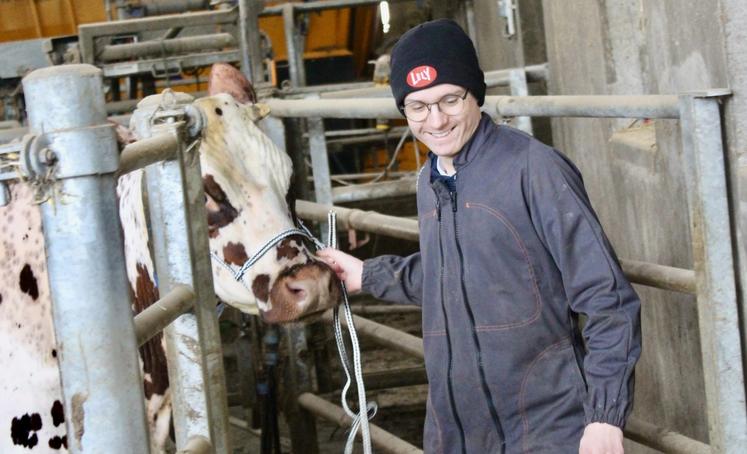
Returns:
(293, 41)
(99, 364)
(249, 40)
(714, 270)
(176, 200)
(517, 80)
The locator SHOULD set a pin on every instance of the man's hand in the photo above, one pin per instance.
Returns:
(347, 268)
(601, 438)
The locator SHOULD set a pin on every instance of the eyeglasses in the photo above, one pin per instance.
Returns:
(449, 105)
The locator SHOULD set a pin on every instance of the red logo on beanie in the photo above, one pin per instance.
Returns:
(422, 76)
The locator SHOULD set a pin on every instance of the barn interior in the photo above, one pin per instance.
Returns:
(648, 98)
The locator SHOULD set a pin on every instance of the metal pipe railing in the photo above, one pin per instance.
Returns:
(660, 276)
(368, 191)
(144, 152)
(384, 335)
(662, 439)
(160, 47)
(649, 106)
(382, 440)
(367, 221)
(160, 314)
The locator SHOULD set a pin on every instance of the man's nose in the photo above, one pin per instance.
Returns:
(436, 117)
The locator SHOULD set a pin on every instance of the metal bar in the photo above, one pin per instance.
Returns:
(367, 221)
(317, 6)
(379, 309)
(250, 40)
(648, 106)
(101, 383)
(164, 47)
(161, 7)
(518, 84)
(469, 12)
(296, 70)
(197, 445)
(320, 167)
(713, 262)
(501, 77)
(313, 89)
(381, 439)
(172, 63)
(602, 106)
(365, 175)
(176, 200)
(368, 191)
(659, 276)
(333, 108)
(158, 315)
(384, 335)
(91, 31)
(395, 378)
(147, 151)
(663, 440)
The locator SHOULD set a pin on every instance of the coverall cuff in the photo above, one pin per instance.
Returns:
(369, 277)
(613, 416)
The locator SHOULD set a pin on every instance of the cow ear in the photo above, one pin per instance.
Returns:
(259, 111)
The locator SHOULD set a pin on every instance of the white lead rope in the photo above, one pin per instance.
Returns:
(366, 410)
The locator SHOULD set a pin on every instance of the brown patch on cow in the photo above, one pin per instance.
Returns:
(28, 284)
(261, 287)
(220, 212)
(235, 253)
(58, 442)
(23, 430)
(79, 415)
(154, 357)
(58, 413)
(287, 250)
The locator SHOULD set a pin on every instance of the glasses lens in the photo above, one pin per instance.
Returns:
(416, 111)
(451, 104)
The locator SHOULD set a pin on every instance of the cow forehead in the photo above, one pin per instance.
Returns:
(239, 154)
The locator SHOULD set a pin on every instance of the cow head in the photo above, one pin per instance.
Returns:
(246, 180)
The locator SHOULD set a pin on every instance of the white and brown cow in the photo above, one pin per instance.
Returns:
(246, 179)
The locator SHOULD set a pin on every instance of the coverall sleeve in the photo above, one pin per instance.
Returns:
(394, 279)
(593, 281)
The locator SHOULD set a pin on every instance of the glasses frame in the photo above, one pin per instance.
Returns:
(431, 104)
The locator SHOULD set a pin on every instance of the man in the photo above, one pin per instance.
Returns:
(510, 252)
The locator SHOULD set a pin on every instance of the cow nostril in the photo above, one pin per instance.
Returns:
(296, 290)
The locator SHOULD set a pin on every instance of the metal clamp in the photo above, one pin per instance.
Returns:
(171, 111)
(30, 158)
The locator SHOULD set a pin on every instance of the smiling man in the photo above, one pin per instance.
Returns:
(511, 252)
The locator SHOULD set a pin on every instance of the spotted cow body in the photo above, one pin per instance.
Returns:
(246, 180)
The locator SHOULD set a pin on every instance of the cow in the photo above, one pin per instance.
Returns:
(246, 181)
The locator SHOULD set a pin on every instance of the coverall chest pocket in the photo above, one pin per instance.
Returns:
(500, 281)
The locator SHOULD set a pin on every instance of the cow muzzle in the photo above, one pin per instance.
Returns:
(303, 292)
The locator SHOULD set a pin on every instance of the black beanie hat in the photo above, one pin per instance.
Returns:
(433, 53)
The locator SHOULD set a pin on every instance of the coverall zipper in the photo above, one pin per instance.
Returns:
(475, 338)
(449, 385)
